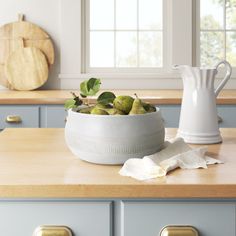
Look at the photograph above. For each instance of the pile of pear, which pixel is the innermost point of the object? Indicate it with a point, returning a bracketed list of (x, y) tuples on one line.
[(122, 105)]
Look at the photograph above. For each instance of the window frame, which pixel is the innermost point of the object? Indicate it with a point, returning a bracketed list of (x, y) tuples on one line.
[(197, 32), (171, 55), (122, 70), (181, 34)]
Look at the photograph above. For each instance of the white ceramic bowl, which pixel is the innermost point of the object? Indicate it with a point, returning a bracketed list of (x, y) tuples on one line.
[(112, 139)]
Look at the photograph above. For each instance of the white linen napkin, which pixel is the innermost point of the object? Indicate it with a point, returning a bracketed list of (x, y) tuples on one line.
[(173, 155)]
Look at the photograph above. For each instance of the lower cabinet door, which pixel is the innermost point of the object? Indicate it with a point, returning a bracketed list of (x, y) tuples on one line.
[(227, 114), (148, 218), (170, 115), (83, 218), (53, 116), (17, 116)]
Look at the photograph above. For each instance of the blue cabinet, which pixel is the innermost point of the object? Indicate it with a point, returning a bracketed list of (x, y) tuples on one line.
[(117, 217), (54, 116), (149, 217), (29, 116), (84, 218), (228, 115), (33, 116), (171, 114)]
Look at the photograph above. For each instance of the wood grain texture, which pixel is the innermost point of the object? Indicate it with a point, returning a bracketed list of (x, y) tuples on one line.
[(26, 69), (33, 36), (3, 80), (59, 96), (10, 46), (37, 163)]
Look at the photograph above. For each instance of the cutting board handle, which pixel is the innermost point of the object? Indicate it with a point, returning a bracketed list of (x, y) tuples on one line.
[(20, 17)]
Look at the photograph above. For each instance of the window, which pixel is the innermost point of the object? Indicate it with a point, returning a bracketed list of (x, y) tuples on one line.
[(217, 31), (124, 34), (131, 43)]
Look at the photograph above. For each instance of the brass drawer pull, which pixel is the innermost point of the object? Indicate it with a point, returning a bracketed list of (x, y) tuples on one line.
[(52, 231), (12, 119), (220, 120), (179, 231)]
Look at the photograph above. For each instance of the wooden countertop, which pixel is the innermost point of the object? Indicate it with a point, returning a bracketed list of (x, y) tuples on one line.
[(59, 96), (35, 163)]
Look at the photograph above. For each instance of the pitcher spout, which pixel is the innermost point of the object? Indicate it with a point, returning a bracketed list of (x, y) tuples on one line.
[(181, 68), (184, 70)]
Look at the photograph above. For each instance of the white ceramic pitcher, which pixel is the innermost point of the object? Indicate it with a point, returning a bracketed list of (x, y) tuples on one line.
[(198, 118)]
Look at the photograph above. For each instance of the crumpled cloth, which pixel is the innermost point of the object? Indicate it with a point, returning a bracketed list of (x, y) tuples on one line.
[(175, 154)]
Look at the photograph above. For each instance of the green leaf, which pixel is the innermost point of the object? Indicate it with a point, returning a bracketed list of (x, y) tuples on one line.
[(84, 89), (83, 96), (93, 86), (70, 103), (106, 98), (93, 82), (90, 87)]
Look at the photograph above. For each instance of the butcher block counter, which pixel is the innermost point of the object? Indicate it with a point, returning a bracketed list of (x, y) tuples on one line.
[(43, 183), (37, 163)]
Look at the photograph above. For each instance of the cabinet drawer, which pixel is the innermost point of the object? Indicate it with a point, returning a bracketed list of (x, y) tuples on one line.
[(83, 218), (29, 116), (210, 219), (228, 115), (170, 115), (55, 116)]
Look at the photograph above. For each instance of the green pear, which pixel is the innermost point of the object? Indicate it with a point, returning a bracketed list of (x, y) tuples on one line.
[(114, 111), (149, 108), (86, 110), (123, 103), (98, 111), (137, 107), (102, 106)]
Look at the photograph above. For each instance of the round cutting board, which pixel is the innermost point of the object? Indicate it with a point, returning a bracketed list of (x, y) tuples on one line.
[(32, 35), (26, 68), (19, 43), (3, 80)]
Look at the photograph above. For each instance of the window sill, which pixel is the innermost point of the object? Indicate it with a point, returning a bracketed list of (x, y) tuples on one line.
[(120, 76), (123, 81)]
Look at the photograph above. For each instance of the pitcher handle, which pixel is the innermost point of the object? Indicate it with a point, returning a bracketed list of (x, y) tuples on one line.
[(226, 78)]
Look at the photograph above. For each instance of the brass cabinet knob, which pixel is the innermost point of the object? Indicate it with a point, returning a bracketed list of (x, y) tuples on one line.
[(179, 231), (13, 119), (220, 120), (52, 231)]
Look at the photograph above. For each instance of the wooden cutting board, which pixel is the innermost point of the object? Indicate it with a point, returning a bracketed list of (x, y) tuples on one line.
[(3, 78), (32, 35), (26, 68)]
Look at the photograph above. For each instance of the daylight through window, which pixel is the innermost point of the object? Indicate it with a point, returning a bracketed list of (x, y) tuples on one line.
[(125, 34), (217, 31)]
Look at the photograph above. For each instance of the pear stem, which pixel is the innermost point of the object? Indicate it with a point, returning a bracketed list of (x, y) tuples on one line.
[(73, 94)]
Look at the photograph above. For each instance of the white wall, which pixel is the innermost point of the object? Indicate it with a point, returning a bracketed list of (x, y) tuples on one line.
[(53, 16), (46, 14)]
